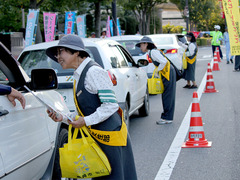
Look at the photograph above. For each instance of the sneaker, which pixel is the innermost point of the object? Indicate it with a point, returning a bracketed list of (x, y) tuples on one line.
[(163, 121), (227, 62), (236, 70), (193, 87), (231, 60), (187, 86)]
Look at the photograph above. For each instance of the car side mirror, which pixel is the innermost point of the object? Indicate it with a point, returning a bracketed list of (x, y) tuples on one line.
[(43, 79), (142, 62)]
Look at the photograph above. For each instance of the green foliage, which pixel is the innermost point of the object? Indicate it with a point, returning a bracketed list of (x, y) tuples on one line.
[(204, 13), (11, 14), (172, 29)]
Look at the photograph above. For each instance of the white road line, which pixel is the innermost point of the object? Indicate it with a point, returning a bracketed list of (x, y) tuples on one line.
[(170, 160)]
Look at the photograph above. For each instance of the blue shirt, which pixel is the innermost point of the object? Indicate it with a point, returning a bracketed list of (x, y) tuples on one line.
[(4, 89), (226, 37)]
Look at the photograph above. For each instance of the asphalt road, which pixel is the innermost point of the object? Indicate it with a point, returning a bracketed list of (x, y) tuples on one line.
[(157, 149)]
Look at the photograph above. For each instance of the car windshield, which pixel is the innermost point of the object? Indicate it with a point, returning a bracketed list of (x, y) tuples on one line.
[(162, 40), (130, 45), (37, 59)]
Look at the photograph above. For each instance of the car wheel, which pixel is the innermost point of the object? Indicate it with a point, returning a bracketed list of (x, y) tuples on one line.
[(144, 110), (62, 139), (126, 115)]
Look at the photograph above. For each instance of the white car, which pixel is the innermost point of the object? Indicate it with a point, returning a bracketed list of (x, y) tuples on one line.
[(130, 80), (129, 42), (29, 139), (168, 43)]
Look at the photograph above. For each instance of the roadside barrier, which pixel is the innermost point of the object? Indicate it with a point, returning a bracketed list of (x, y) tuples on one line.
[(196, 136), (210, 86), (215, 63)]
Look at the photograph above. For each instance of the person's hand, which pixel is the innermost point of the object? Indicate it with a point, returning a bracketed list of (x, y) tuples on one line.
[(16, 95), (78, 123), (55, 117)]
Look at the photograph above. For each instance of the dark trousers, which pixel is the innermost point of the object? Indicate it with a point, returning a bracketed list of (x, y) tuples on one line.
[(237, 63), (220, 51), (168, 96)]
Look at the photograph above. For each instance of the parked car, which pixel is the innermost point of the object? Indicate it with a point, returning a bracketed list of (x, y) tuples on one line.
[(168, 43), (29, 139), (129, 79), (129, 42)]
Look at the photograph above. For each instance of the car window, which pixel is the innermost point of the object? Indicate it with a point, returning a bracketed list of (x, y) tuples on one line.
[(182, 38), (38, 59), (130, 45), (3, 78), (117, 60), (162, 40), (121, 61), (94, 54)]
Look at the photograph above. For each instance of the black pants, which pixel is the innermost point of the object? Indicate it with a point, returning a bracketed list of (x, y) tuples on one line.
[(168, 96), (220, 51), (237, 62)]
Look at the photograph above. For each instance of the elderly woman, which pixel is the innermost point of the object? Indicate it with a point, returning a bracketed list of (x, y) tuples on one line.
[(95, 100), (168, 78), (191, 54)]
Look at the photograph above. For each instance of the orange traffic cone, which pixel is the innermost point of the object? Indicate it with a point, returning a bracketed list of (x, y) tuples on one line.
[(196, 137), (210, 87), (215, 63), (218, 55)]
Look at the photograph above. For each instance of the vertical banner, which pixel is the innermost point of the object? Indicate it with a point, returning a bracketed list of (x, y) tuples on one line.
[(69, 22), (111, 27), (32, 20), (108, 33), (81, 25), (119, 27), (231, 11), (49, 20)]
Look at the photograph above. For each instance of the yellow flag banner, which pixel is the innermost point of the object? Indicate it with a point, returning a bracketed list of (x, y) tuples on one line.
[(231, 11)]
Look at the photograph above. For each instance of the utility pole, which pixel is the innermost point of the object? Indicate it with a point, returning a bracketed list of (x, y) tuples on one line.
[(114, 15), (187, 15)]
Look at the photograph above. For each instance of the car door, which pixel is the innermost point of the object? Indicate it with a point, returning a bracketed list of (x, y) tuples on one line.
[(122, 66), (25, 145), (140, 75)]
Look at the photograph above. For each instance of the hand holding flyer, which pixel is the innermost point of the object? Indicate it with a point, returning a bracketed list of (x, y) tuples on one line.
[(50, 108)]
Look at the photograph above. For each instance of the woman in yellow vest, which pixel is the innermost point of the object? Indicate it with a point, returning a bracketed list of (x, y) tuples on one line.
[(168, 77), (96, 105), (190, 55)]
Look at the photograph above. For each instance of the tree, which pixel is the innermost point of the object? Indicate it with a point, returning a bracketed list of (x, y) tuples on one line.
[(203, 14), (142, 10)]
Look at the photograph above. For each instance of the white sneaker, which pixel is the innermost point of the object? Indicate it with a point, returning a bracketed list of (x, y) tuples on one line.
[(163, 121)]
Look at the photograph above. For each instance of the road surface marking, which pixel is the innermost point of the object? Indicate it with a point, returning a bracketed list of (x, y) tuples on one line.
[(170, 160)]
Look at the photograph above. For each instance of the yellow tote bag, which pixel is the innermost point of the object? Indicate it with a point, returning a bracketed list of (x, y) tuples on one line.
[(155, 85), (82, 158), (184, 61)]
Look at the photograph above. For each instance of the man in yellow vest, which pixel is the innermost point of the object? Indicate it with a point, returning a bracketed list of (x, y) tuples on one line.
[(217, 37)]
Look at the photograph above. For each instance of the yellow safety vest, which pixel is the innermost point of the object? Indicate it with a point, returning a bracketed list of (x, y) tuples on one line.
[(110, 138), (191, 61), (166, 70)]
